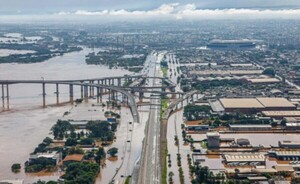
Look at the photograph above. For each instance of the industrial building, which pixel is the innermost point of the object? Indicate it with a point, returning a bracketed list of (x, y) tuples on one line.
[(231, 44), (255, 127), (213, 139), (280, 114), (241, 104), (197, 128), (285, 155), (292, 123), (289, 144), (245, 158), (263, 80), (276, 104), (243, 142), (253, 105)]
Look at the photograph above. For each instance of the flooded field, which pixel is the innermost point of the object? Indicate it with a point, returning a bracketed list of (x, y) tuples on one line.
[(27, 124)]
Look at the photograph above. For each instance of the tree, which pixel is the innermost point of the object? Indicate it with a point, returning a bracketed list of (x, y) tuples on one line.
[(16, 167), (87, 141), (100, 154), (75, 150), (269, 71), (60, 128), (71, 142), (113, 151), (84, 173)]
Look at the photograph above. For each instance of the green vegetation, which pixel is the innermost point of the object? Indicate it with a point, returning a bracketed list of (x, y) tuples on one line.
[(127, 181), (39, 164), (113, 151), (196, 112), (111, 113), (164, 71), (16, 168), (101, 130), (269, 71), (204, 175), (171, 174), (164, 105), (83, 173), (164, 153), (164, 68), (116, 59), (75, 150), (44, 182), (60, 128), (42, 147), (100, 154), (40, 54), (205, 85), (204, 144)]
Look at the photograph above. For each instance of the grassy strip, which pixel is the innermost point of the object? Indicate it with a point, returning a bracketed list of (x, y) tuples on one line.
[(164, 142), (164, 153), (127, 181), (164, 71)]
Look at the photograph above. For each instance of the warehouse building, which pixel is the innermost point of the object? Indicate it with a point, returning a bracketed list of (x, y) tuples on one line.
[(289, 144), (245, 158), (281, 114), (213, 139), (253, 105), (285, 155), (197, 128), (250, 127), (245, 105), (271, 104)]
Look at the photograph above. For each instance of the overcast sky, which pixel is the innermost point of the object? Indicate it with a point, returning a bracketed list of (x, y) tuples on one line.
[(119, 9)]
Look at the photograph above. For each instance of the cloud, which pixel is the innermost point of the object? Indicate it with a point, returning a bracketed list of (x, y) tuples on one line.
[(175, 10), (171, 11)]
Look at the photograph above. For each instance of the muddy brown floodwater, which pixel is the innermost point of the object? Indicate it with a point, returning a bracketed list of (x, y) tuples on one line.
[(27, 124)]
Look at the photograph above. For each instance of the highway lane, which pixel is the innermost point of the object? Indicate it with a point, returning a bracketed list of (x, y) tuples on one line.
[(150, 168)]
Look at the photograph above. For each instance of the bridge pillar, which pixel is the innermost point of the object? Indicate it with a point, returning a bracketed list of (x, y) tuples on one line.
[(3, 97), (57, 94), (113, 82), (81, 91), (93, 89), (98, 94), (119, 82), (7, 96), (105, 83), (86, 93), (101, 92), (71, 90), (141, 95), (123, 98), (90, 89), (109, 97), (44, 94)]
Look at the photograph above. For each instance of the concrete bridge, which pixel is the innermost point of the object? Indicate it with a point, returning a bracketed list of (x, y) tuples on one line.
[(101, 89), (107, 85)]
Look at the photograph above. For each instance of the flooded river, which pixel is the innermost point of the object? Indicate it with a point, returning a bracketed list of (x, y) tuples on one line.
[(27, 124)]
